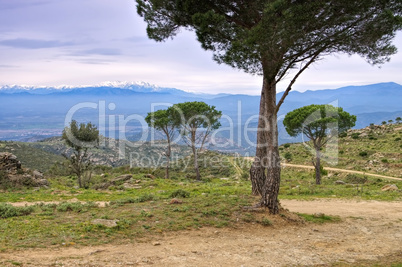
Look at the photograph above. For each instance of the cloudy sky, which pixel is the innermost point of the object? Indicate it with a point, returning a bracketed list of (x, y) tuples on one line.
[(83, 42)]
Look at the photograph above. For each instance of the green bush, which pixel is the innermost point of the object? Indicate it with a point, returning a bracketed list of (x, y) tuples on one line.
[(288, 156), (343, 134), (355, 135), (363, 153), (323, 171), (7, 211), (180, 193), (286, 145), (384, 160), (398, 139)]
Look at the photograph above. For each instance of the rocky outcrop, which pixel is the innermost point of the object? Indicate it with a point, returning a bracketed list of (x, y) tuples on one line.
[(9, 163), (12, 174)]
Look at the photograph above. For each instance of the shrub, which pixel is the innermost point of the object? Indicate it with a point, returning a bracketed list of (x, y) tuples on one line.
[(363, 153), (354, 179), (7, 211), (343, 134), (323, 171), (266, 222), (70, 206), (288, 156), (180, 193), (355, 135), (384, 160), (398, 139), (286, 145)]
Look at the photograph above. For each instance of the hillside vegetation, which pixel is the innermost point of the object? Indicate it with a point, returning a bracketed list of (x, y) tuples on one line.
[(374, 149)]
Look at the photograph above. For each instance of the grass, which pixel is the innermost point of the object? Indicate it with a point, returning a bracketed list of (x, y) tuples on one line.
[(213, 202), (319, 218)]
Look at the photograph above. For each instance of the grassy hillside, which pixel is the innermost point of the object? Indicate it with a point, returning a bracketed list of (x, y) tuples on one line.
[(375, 149)]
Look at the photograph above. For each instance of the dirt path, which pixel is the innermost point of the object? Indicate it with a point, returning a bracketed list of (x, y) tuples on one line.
[(370, 231), (343, 170)]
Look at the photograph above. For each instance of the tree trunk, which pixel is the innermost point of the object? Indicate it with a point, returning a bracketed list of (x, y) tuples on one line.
[(317, 166), (271, 186), (197, 171), (168, 152), (257, 170), (267, 153)]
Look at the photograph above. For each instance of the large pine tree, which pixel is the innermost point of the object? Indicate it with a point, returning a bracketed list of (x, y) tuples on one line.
[(271, 38)]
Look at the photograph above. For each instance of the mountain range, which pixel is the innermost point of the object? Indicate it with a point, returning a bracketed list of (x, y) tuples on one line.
[(30, 113)]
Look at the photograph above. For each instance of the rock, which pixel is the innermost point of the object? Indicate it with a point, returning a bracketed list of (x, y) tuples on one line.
[(104, 222), (37, 175), (389, 187), (176, 201), (149, 176), (340, 182), (18, 176), (156, 243), (9, 163)]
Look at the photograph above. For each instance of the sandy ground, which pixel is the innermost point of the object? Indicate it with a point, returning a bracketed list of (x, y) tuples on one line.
[(370, 231)]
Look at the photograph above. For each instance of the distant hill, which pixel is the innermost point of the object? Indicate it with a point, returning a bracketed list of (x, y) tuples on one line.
[(33, 113)]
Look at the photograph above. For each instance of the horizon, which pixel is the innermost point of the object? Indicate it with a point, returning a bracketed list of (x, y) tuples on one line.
[(116, 84), (107, 41)]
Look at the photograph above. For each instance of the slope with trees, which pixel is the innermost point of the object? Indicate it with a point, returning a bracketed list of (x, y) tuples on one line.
[(272, 38)]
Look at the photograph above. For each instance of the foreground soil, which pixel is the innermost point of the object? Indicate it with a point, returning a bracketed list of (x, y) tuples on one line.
[(370, 232)]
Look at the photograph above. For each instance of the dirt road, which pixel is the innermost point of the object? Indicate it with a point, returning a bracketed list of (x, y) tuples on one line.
[(370, 231), (342, 170)]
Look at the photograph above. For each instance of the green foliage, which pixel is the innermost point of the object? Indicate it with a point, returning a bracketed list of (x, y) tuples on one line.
[(288, 156), (180, 193), (319, 218), (355, 135), (314, 121), (384, 160), (81, 138), (343, 134), (355, 179), (7, 211), (398, 119), (243, 35), (383, 122), (286, 145), (266, 222), (363, 153)]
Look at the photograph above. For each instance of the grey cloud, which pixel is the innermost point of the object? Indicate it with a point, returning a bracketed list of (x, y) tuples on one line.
[(14, 4), (5, 66), (103, 51), (33, 43)]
